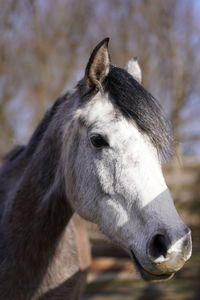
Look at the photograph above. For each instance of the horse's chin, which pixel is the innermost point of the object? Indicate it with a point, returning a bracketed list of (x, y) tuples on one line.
[(148, 276)]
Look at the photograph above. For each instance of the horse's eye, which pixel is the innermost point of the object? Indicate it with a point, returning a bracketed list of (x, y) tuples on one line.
[(98, 141)]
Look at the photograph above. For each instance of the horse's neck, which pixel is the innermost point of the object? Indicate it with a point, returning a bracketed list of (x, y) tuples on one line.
[(69, 264), (36, 219)]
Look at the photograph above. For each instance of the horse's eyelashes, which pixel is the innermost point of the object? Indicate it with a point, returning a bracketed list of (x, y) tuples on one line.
[(98, 141)]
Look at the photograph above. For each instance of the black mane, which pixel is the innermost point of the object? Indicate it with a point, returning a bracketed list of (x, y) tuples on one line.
[(29, 149), (138, 104), (42, 127)]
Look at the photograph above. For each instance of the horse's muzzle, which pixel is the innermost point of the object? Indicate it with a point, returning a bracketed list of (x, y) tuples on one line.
[(147, 275), (165, 257), (168, 256)]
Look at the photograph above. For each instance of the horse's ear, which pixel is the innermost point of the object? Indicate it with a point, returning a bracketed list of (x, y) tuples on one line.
[(133, 68), (98, 65)]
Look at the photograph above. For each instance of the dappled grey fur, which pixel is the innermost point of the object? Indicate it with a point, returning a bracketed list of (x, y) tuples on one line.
[(33, 202), (34, 209), (59, 172)]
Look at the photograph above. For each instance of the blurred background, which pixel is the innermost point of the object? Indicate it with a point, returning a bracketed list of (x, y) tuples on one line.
[(44, 47)]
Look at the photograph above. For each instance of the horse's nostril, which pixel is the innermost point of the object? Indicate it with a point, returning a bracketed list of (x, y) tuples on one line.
[(168, 256), (159, 245)]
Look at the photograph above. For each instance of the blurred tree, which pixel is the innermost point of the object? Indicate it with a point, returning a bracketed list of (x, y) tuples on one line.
[(39, 49)]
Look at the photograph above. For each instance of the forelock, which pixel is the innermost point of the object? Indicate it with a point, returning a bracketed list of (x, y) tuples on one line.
[(136, 103)]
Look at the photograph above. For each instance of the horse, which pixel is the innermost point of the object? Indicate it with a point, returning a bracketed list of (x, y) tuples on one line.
[(97, 152)]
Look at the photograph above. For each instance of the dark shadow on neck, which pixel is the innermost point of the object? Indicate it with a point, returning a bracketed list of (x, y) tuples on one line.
[(35, 213)]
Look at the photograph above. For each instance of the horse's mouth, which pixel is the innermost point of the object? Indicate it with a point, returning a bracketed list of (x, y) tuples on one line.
[(147, 276)]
